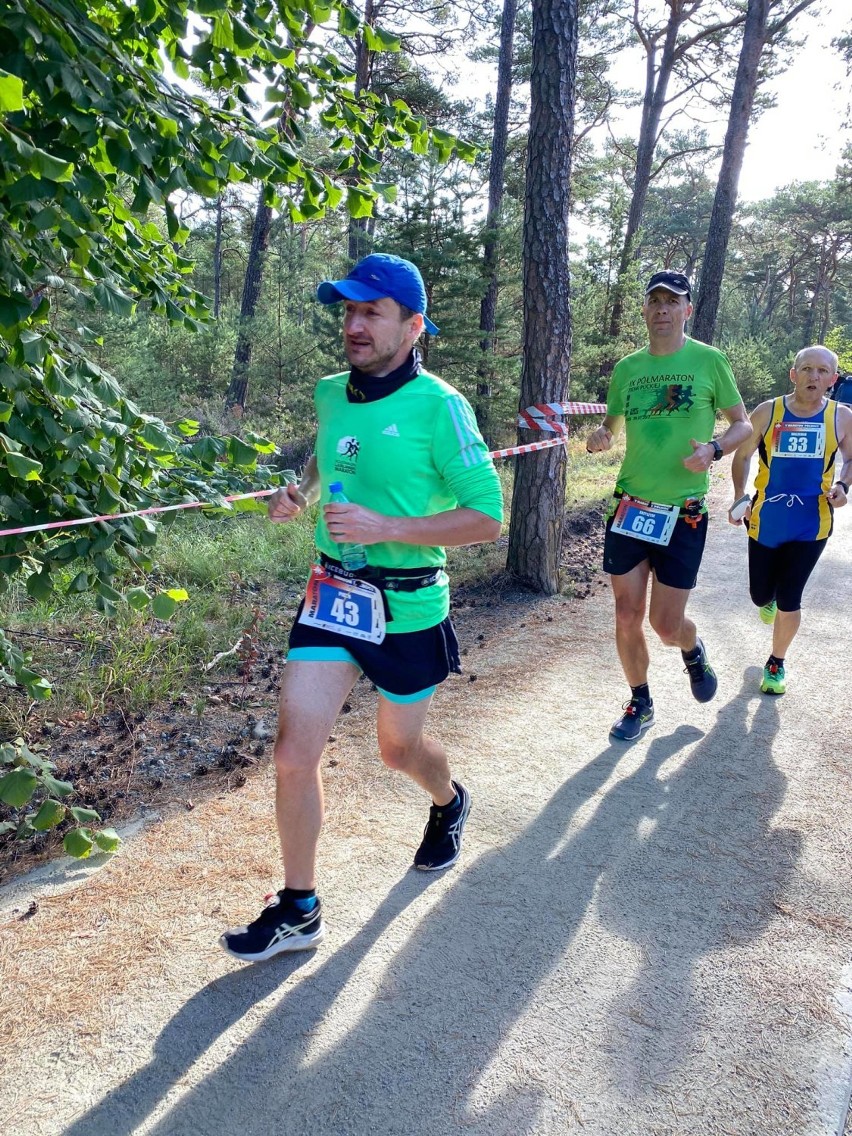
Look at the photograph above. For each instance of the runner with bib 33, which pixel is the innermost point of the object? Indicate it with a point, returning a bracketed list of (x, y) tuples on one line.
[(665, 396), (791, 516)]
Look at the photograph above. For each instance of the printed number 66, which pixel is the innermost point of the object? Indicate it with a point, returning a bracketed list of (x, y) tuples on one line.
[(644, 525)]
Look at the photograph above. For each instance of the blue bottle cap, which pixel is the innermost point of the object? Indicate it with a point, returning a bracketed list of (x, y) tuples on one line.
[(336, 487)]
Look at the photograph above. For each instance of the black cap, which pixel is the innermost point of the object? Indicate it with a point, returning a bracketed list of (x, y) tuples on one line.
[(672, 281)]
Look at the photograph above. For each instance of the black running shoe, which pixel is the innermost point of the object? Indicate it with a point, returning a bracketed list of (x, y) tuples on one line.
[(638, 715), (441, 844), (701, 674), (281, 926)]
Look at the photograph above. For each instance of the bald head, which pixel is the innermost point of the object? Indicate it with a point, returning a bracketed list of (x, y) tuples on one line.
[(816, 354)]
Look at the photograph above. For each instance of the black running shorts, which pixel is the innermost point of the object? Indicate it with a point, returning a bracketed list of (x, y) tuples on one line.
[(675, 564), (781, 573), (406, 667)]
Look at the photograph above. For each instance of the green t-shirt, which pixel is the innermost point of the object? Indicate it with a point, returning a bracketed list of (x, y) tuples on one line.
[(666, 400), (413, 453)]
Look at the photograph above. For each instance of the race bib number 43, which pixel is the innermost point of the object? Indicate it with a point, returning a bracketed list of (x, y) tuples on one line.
[(349, 607), (798, 440), (645, 520)]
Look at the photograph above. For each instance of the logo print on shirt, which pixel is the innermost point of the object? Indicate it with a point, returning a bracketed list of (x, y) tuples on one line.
[(392, 430), (672, 398), (348, 449)]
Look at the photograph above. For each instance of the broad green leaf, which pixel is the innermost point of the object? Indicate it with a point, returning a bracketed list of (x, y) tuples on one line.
[(84, 816), (17, 787), (50, 168), (78, 843), (25, 469), (48, 816), (163, 606), (111, 298), (377, 39), (241, 454), (358, 203), (108, 840), (55, 787), (137, 598), (11, 92)]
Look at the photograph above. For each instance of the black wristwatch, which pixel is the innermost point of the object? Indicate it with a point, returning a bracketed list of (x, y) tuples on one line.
[(718, 452), (844, 485)]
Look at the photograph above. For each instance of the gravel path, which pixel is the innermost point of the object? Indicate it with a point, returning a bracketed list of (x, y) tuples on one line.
[(640, 940)]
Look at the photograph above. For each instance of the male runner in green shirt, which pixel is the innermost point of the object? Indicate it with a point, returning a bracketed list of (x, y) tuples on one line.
[(666, 397), (417, 478)]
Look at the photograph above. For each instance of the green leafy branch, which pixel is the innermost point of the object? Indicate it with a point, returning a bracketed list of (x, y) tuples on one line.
[(36, 800)]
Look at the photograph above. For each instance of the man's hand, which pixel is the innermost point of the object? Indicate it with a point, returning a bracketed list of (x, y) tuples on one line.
[(353, 524), (286, 503), (599, 440), (836, 496), (701, 458)]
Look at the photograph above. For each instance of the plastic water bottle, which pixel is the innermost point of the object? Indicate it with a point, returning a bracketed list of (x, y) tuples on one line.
[(352, 556)]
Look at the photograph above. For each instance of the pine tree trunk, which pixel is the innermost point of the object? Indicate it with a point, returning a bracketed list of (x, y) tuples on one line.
[(217, 261), (539, 495), (725, 199), (656, 84), (235, 396), (488, 307)]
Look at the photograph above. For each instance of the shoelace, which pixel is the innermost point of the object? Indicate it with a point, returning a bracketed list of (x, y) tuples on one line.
[(696, 668)]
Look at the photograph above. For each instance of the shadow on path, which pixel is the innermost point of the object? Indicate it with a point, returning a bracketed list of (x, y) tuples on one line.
[(699, 873), (411, 1059)]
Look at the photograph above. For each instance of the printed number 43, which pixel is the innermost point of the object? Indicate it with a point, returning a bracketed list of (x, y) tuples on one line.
[(345, 611), (644, 525)]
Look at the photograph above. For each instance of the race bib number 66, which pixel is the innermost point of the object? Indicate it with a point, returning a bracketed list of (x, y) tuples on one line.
[(645, 520), (350, 607)]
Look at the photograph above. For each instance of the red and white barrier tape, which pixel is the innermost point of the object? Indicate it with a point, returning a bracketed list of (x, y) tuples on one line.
[(528, 449), (133, 513), (538, 417), (542, 415)]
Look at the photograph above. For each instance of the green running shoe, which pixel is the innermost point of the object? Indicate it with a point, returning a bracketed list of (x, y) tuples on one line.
[(768, 612), (774, 679)]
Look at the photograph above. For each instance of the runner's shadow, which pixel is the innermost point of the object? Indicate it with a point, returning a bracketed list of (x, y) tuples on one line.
[(402, 1051), (700, 870), (214, 1009)]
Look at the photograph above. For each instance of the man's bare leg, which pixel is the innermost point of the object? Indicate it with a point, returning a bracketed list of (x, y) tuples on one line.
[(631, 596), (312, 694), (668, 617), (404, 746)]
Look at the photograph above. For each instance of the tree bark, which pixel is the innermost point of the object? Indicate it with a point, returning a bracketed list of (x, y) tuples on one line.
[(235, 396), (656, 84), (725, 200), (360, 232), (538, 499), (217, 260), (496, 173)]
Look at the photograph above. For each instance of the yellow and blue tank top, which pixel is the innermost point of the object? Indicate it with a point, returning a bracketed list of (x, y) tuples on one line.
[(796, 458)]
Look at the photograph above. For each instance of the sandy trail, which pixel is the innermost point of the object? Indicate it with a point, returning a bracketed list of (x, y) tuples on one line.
[(649, 939)]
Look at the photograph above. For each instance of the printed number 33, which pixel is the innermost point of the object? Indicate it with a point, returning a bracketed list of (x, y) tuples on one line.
[(345, 611)]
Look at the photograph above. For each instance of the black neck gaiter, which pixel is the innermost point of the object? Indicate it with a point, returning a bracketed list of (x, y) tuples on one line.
[(370, 388)]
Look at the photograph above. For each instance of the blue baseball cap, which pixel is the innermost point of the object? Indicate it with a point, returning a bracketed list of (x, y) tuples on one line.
[(378, 276)]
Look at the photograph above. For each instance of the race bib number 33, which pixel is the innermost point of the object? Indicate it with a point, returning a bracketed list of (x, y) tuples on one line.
[(798, 440), (350, 607), (645, 520)]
